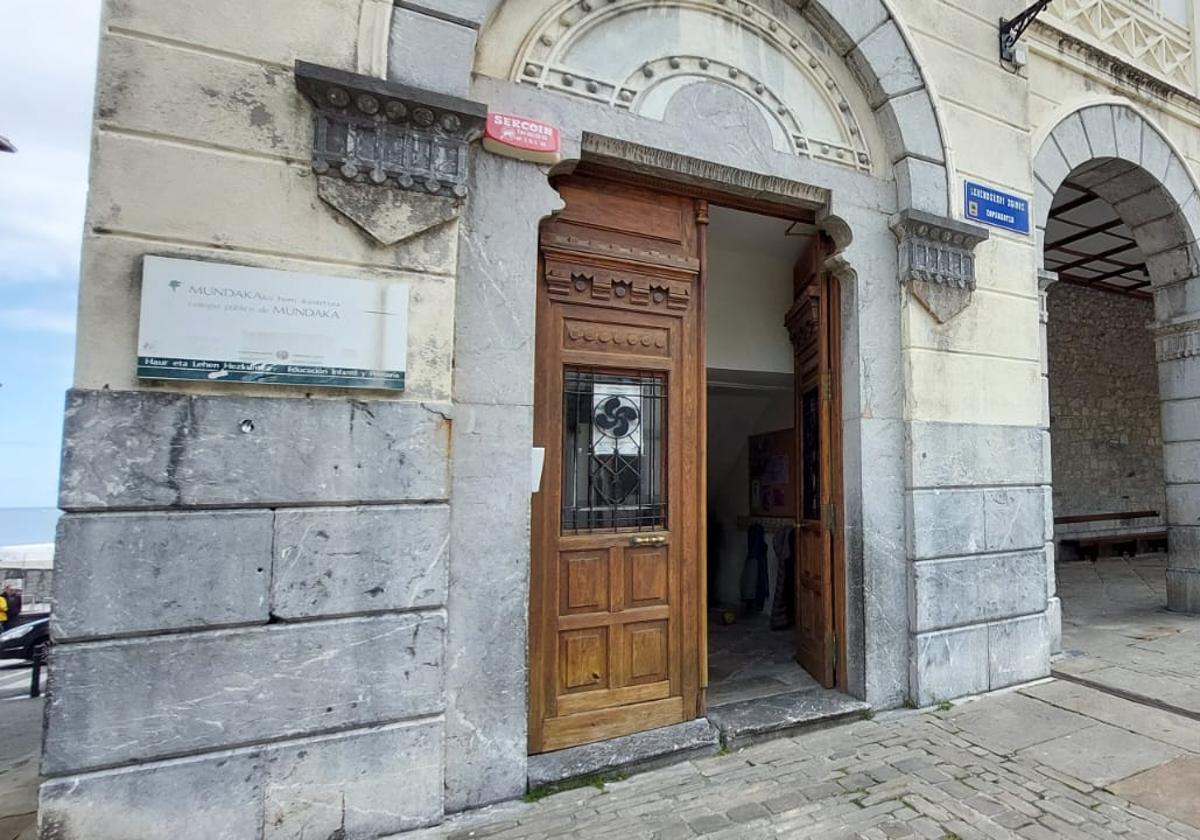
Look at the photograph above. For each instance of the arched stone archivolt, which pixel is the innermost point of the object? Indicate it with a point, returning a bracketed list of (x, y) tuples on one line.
[(667, 45), (831, 80), (1118, 154)]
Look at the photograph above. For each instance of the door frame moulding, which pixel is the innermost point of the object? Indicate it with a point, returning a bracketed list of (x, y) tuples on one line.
[(681, 175)]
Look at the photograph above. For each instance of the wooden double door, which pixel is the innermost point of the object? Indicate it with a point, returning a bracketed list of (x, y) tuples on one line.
[(617, 592)]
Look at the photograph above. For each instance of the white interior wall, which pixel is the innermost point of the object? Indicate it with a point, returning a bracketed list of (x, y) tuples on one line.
[(748, 294), (749, 291)]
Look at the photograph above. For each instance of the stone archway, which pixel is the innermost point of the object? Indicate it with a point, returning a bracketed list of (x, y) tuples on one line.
[(900, 191), (1126, 160)]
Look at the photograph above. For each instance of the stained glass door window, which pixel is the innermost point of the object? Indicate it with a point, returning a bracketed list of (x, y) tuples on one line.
[(613, 450)]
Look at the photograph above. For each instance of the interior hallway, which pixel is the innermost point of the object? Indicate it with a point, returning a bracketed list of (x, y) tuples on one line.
[(747, 660)]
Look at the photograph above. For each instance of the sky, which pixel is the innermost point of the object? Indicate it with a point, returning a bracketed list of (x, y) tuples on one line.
[(47, 77)]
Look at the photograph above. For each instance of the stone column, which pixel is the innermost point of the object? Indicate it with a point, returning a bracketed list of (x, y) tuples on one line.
[(976, 506), (1046, 279), (1178, 350), (487, 672)]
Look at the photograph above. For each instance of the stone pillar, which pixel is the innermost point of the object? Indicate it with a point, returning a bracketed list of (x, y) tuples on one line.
[(1178, 349), (976, 507), (487, 668), (1053, 604)]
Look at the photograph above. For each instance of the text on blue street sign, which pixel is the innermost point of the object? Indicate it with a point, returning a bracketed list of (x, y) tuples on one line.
[(997, 208)]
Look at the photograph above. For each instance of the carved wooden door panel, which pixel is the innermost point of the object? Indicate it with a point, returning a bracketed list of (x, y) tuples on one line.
[(614, 593), (815, 329)]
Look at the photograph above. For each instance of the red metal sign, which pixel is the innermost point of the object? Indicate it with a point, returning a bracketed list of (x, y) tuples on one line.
[(521, 137)]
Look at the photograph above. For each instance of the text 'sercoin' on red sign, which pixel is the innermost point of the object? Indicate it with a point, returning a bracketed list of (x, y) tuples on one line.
[(522, 138)]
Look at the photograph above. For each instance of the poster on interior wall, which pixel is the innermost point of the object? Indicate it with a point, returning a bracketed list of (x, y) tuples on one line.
[(617, 419), (773, 473), (216, 322)]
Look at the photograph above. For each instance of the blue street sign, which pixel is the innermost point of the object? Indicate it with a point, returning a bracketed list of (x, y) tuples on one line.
[(997, 208)]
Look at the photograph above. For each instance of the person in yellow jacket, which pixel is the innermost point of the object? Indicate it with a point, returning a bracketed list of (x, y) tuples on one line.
[(3, 610)]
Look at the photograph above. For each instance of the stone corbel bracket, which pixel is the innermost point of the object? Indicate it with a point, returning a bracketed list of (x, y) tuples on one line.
[(392, 159), (1046, 279), (937, 260)]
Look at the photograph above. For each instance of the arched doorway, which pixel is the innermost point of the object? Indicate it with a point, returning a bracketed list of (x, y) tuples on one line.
[(881, 108), (1118, 214)]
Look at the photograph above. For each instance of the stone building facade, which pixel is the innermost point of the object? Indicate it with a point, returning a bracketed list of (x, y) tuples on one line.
[(332, 587)]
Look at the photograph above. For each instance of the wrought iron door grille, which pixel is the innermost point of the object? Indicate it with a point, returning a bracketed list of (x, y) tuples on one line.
[(614, 451)]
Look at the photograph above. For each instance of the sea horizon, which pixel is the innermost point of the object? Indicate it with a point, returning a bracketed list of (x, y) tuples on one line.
[(27, 525)]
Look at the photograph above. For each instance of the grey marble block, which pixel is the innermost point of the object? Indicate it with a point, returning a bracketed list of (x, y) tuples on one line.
[(130, 573), (1018, 650), (389, 779), (949, 664), (130, 449), (140, 699), (430, 53), (970, 590), (948, 523), (339, 561), (487, 676), (963, 454)]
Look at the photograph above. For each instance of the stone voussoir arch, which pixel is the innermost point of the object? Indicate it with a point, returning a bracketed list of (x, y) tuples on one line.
[(1118, 153), (1112, 149), (864, 34)]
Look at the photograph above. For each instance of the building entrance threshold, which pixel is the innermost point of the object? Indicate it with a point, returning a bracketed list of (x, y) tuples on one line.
[(734, 725)]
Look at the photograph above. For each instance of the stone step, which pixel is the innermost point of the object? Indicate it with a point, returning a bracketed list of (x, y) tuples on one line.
[(735, 724), (641, 750), (746, 721), (1099, 682)]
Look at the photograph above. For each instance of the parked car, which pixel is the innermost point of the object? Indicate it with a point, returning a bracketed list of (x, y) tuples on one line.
[(26, 641)]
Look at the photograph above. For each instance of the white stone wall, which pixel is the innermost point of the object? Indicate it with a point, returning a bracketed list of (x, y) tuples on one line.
[(1105, 422), (202, 149)]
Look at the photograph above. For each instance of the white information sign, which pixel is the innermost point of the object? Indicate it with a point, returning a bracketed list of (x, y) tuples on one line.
[(231, 323)]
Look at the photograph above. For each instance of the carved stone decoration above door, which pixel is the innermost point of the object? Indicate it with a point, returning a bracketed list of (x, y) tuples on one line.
[(937, 261), (664, 60), (391, 159)]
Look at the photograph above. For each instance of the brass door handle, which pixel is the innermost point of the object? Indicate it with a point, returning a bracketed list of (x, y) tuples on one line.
[(655, 540)]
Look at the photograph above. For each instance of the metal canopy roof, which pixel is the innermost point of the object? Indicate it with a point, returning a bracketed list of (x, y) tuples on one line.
[(1087, 244)]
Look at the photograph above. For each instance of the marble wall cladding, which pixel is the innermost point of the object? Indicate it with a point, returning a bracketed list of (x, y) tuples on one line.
[(390, 780), (200, 570), (960, 454), (1104, 408), (1018, 650), (126, 449), (953, 523), (981, 657), (969, 590), (343, 561), (155, 572), (487, 677), (139, 699), (949, 663)]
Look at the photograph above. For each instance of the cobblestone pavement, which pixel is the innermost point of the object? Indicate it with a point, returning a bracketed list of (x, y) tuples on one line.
[(1039, 763)]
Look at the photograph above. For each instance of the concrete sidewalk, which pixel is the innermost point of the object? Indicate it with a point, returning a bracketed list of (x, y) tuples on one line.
[(1118, 635), (1052, 760)]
